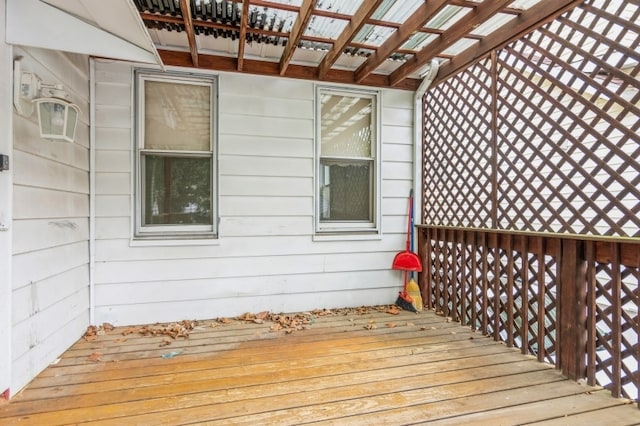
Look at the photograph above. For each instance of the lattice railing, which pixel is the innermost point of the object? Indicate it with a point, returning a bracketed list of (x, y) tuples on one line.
[(571, 302), (453, 151), (531, 194), (544, 135)]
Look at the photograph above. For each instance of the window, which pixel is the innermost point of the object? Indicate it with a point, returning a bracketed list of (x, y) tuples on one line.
[(176, 167), (347, 161)]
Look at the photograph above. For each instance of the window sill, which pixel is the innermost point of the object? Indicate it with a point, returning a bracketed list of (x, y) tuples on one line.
[(347, 237), (172, 242)]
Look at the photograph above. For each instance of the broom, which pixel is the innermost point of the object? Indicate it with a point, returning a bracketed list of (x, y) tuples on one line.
[(413, 289), (406, 261)]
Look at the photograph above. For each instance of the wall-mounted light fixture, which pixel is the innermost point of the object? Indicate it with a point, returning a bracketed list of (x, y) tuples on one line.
[(57, 116)]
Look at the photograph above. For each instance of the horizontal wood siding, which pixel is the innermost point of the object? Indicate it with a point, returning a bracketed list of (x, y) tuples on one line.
[(50, 282), (266, 257)]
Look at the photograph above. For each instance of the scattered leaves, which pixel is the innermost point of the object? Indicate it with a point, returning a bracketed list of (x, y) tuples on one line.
[(91, 334), (370, 326)]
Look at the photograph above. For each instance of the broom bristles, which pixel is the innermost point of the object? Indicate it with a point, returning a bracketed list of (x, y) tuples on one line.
[(405, 304)]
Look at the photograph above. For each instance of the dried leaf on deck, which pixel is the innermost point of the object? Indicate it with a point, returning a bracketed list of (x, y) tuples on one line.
[(392, 325), (262, 315), (95, 356), (276, 327), (165, 342), (247, 316), (370, 326), (107, 327), (393, 310), (129, 330)]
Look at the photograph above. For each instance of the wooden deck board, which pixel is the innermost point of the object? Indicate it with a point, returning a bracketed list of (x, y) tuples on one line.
[(400, 369)]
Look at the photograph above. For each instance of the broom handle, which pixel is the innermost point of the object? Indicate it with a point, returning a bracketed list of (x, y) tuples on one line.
[(409, 219)]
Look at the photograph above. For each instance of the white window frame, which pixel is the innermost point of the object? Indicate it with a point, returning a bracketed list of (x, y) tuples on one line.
[(372, 227), (169, 232)]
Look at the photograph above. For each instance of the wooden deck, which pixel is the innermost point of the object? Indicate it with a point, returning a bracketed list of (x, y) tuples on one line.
[(352, 368)]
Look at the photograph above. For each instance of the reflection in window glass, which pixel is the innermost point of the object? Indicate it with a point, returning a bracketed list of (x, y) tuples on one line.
[(177, 190)]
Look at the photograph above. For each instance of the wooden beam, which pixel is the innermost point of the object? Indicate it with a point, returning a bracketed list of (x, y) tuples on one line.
[(251, 66), (421, 16), (185, 10), (358, 20), (304, 15), (243, 33), (531, 19), (471, 20)]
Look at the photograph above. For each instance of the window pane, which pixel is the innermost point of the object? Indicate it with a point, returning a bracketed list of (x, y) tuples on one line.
[(177, 190), (177, 116), (345, 191), (345, 126)]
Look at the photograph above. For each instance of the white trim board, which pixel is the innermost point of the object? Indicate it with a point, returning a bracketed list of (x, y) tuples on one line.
[(38, 24)]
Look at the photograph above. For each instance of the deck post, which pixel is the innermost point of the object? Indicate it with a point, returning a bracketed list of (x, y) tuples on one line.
[(572, 324)]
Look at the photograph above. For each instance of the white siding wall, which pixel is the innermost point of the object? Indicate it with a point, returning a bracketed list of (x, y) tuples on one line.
[(6, 185), (50, 285), (266, 258)]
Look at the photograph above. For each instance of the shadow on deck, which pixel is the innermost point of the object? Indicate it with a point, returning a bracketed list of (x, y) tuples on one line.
[(362, 366)]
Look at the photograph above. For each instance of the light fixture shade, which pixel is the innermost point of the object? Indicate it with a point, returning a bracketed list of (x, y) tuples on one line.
[(58, 118)]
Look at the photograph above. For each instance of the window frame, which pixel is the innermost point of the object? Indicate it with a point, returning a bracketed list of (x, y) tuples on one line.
[(350, 227), (168, 232)]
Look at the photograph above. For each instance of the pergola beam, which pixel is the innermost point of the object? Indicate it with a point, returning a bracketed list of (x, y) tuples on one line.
[(304, 16), (185, 10), (529, 20), (482, 12), (243, 33), (421, 16), (361, 16)]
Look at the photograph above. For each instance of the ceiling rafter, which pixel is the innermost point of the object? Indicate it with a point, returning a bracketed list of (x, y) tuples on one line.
[(419, 18), (299, 41), (539, 14), (458, 31), (363, 13), (306, 10), (185, 11), (243, 33)]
